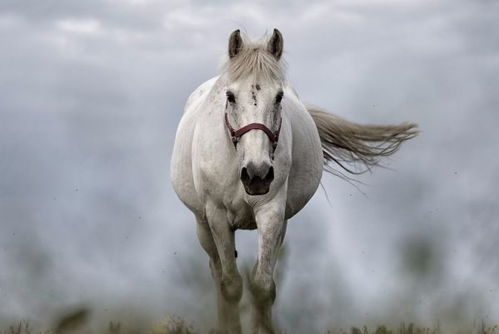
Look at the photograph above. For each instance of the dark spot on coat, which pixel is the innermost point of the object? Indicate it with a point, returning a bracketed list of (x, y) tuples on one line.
[(253, 96), (257, 87)]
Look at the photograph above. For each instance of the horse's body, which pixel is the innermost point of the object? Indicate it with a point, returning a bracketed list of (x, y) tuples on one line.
[(201, 176), (255, 180)]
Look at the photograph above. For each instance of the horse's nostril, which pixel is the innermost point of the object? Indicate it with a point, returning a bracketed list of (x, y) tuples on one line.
[(244, 175), (270, 175), (257, 179)]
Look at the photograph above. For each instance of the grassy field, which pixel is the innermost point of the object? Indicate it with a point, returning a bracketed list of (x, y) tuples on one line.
[(84, 320), (78, 322)]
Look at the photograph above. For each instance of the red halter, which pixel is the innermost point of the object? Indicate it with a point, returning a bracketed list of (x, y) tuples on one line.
[(237, 134)]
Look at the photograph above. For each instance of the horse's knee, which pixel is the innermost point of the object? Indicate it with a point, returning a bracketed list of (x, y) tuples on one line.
[(216, 270), (232, 288), (263, 289)]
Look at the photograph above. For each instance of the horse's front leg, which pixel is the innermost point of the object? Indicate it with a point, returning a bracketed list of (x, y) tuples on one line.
[(208, 244), (230, 284), (271, 230)]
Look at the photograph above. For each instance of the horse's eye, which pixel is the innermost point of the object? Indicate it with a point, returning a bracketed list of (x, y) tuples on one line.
[(278, 97), (230, 97)]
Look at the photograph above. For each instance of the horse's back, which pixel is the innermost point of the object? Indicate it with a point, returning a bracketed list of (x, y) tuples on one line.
[(181, 162)]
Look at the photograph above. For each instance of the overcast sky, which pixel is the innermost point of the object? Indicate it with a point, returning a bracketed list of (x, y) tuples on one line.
[(91, 93)]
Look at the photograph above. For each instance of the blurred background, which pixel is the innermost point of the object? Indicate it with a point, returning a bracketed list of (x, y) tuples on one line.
[(91, 93)]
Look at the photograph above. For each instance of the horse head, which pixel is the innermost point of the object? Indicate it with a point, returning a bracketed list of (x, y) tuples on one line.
[(254, 93)]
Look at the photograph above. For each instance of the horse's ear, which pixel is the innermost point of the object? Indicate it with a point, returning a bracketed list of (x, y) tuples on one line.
[(235, 43), (276, 44)]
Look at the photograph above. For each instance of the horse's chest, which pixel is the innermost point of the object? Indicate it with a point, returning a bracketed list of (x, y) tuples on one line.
[(240, 216)]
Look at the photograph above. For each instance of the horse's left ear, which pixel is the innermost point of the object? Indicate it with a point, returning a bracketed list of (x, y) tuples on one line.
[(276, 44)]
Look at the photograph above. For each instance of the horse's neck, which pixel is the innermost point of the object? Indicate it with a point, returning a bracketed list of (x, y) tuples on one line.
[(212, 109), (218, 85), (215, 99)]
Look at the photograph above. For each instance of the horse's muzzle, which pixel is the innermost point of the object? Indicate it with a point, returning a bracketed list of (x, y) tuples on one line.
[(257, 178)]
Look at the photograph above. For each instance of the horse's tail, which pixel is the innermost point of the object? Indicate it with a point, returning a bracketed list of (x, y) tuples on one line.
[(349, 144)]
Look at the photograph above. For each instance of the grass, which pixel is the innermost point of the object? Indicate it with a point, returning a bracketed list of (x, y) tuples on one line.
[(77, 323)]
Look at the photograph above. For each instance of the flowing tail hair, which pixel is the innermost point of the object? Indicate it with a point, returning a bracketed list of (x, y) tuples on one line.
[(349, 144)]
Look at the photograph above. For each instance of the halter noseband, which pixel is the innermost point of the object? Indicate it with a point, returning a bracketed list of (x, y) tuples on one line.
[(237, 134)]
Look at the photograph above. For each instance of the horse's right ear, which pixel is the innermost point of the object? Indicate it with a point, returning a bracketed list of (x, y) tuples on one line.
[(235, 43)]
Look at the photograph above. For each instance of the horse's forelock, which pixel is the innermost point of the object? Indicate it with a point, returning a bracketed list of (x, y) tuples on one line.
[(254, 59)]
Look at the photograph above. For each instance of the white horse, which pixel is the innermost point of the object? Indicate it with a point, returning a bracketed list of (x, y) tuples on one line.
[(249, 154)]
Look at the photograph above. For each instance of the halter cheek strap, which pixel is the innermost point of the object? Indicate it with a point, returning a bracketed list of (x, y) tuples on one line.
[(237, 134)]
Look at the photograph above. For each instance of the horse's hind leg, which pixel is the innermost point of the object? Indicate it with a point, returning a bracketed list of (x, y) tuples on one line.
[(271, 231)]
